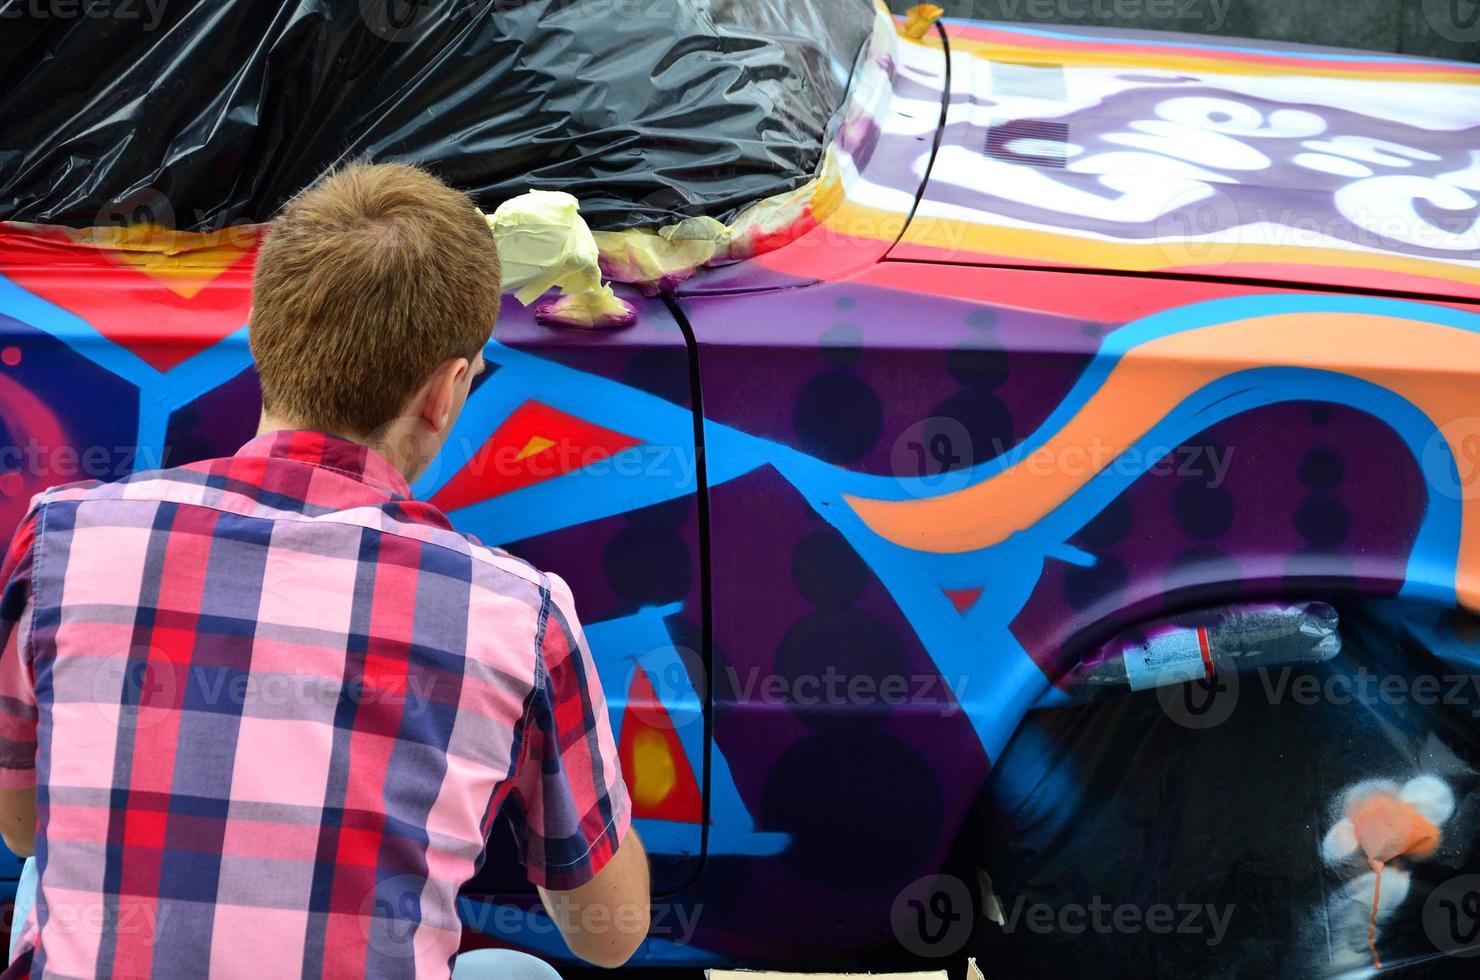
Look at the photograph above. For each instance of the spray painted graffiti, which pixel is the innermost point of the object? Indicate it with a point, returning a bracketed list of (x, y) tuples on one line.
[(845, 468)]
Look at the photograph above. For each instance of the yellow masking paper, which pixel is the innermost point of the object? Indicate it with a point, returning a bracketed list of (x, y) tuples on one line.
[(544, 244)]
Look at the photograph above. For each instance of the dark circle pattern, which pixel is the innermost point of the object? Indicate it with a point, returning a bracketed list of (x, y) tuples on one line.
[(827, 571), (837, 417), (1201, 566), (1312, 568), (662, 371), (843, 771), (987, 421), (1323, 521), (669, 515), (859, 649), (1202, 511), (1109, 526), (1087, 585), (981, 319), (647, 565), (842, 345), (981, 361), (1321, 469)]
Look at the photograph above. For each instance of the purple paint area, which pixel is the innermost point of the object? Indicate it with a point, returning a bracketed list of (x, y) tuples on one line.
[(851, 373), (217, 423), (604, 562), (872, 794), (650, 354), (615, 567), (1315, 498)]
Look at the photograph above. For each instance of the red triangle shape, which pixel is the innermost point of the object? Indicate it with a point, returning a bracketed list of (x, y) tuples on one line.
[(141, 311), (963, 599), (534, 444), (653, 760)]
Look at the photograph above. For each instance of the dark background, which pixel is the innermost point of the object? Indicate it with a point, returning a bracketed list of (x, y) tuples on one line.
[(1435, 28)]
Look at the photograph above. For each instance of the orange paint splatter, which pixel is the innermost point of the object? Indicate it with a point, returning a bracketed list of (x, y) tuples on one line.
[(1377, 866), (1388, 827)]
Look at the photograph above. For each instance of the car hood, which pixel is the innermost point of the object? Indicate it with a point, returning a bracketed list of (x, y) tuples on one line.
[(1164, 154)]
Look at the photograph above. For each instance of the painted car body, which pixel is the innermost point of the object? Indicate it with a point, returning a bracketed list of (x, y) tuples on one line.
[(1040, 363)]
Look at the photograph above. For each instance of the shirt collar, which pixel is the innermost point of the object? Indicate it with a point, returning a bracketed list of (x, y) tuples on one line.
[(331, 452)]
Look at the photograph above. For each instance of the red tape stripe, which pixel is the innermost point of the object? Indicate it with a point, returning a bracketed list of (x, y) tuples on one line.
[(1207, 651)]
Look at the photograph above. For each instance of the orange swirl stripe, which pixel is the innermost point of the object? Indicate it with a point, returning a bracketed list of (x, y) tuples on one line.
[(1426, 363)]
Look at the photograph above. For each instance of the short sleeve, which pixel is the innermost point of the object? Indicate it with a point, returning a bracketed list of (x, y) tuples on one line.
[(575, 810), (17, 684)]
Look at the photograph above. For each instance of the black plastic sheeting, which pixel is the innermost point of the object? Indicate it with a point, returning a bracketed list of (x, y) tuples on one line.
[(197, 114), (1140, 837)]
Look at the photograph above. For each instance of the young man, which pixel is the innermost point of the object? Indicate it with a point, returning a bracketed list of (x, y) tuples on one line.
[(266, 707)]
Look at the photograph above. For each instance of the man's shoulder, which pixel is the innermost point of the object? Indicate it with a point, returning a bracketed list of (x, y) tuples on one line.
[(193, 484), (132, 486), (193, 473)]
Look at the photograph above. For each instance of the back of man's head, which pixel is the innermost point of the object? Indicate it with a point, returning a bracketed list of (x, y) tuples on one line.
[(368, 281)]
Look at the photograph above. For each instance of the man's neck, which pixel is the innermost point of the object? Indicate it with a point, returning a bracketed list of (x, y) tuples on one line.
[(406, 465)]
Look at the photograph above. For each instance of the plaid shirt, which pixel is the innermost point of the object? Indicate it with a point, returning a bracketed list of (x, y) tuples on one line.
[(271, 706)]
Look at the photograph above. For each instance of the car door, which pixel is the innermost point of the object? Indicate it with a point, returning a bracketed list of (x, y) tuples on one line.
[(576, 452)]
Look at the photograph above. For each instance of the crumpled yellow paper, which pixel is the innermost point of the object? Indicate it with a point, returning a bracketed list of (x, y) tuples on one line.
[(919, 18), (543, 244), (657, 259)]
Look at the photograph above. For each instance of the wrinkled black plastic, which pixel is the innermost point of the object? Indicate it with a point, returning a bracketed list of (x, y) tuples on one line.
[(1217, 815), (200, 113)]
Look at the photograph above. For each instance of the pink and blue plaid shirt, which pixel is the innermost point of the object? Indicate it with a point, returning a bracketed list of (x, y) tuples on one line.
[(271, 705)]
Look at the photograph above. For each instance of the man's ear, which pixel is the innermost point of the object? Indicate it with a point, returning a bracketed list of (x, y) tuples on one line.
[(441, 393)]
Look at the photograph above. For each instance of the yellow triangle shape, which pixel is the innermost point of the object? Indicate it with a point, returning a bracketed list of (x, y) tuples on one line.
[(182, 261), (536, 444)]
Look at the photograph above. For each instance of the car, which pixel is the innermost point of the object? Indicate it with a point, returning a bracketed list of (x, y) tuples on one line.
[(1071, 330)]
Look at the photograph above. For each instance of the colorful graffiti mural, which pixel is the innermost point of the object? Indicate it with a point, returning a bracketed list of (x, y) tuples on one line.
[(839, 515)]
